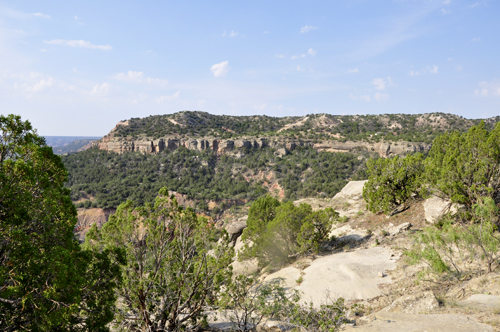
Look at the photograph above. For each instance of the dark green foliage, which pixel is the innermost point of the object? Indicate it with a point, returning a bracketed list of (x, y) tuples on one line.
[(199, 124), (465, 166), (112, 178), (392, 181), (170, 275), (281, 232), (389, 127), (262, 211), (47, 283)]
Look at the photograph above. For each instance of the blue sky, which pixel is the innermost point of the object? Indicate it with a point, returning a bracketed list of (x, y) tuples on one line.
[(77, 68)]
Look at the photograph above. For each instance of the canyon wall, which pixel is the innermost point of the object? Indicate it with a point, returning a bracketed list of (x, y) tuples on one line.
[(223, 146)]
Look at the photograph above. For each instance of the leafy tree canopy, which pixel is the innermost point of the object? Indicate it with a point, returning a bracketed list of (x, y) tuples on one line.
[(47, 283), (465, 166), (392, 181)]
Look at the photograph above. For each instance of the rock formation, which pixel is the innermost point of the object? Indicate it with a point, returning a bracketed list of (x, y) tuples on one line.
[(223, 146)]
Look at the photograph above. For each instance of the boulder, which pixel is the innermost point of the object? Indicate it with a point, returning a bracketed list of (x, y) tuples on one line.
[(395, 230), (482, 302), (236, 227), (398, 322), (353, 190), (247, 267), (414, 303), (274, 326), (435, 207), (348, 234)]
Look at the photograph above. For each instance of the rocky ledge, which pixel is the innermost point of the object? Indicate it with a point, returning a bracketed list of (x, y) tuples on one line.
[(223, 146)]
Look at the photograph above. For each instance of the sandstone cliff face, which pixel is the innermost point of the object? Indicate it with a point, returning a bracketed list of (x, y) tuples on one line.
[(223, 146), (88, 217)]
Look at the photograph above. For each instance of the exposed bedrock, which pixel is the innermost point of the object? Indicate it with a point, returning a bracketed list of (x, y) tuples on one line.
[(223, 146)]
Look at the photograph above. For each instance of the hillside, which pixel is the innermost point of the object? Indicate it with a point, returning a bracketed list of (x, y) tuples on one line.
[(217, 161), (69, 144)]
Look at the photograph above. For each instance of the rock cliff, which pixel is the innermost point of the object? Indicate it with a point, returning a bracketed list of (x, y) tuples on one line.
[(223, 146)]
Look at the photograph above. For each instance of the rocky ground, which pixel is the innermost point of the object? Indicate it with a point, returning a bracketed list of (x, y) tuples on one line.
[(367, 266)]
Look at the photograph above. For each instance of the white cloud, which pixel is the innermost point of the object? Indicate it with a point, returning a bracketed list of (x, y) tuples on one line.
[(476, 39), (365, 98), (37, 87), (431, 70), (100, 90), (458, 68), (220, 69), (41, 15), (310, 52), (280, 56), (446, 2), (299, 68), (307, 28), (488, 89), (168, 98), (293, 57), (78, 43), (381, 96), (138, 78), (380, 83), (445, 11), (352, 71), (230, 35)]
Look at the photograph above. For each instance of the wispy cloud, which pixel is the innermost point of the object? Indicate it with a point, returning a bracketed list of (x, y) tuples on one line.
[(307, 28), (41, 15), (365, 98), (381, 96), (353, 71), (162, 99), (280, 56), (445, 11), (475, 39), (428, 70), (220, 69), (139, 78), (381, 83), (299, 68), (230, 34), (100, 90), (310, 52), (78, 43), (488, 89)]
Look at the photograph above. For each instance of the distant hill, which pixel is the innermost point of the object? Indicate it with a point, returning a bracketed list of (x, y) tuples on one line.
[(374, 128), (217, 162), (68, 144)]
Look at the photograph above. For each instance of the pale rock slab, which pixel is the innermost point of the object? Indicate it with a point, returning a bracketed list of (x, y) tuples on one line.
[(435, 207), (400, 322)]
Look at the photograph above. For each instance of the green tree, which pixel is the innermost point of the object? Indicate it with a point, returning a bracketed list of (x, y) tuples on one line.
[(316, 228), (174, 269), (465, 166), (392, 181), (454, 247), (262, 211), (280, 241), (47, 283)]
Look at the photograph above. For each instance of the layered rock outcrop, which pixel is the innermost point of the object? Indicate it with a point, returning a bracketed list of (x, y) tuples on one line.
[(224, 146)]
